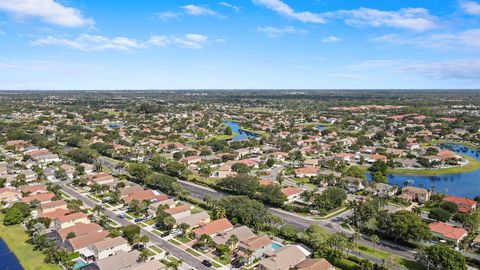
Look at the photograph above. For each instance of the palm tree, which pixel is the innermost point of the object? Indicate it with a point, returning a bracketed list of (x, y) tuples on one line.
[(144, 240), (219, 212), (280, 177), (375, 240), (98, 208), (232, 241), (136, 240), (354, 239), (103, 221), (174, 265), (143, 256)]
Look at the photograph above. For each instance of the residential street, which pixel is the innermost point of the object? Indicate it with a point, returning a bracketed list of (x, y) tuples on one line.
[(331, 225), (165, 245)]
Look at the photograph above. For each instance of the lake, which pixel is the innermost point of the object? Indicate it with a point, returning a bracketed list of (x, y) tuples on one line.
[(458, 184), (241, 134), (8, 261)]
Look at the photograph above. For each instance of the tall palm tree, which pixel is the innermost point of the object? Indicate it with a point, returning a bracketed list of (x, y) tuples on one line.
[(144, 240), (143, 256), (219, 212), (97, 209), (375, 240), (174, 265), (232, 241)]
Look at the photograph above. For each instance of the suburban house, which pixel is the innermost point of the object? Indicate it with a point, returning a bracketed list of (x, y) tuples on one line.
[(420, 195), (314, 264), (43, 197), (179, 211), (70, 220), (306, 172), (48, 207), (82, 241), (254, 248), (194, 220), (242, 233), (34, 190), (215, 227), (105, 248), (292, 193), (382, 190), (464, 205), (447, 232), (284, 258), (122, 260), (9, 195), (77, 230)]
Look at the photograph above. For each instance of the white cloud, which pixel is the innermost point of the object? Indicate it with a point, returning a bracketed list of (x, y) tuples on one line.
[(469, 39), (331, 39), (167, 15), (225, 4), (470, 7), (417, 19), (285, 10), (459, 69), (89, 43), (198, 10), (276, 32), (47, 10), (189, 41)]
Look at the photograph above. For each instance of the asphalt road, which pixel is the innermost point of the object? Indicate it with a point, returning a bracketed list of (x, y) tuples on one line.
[(163, 244), (330, 226)]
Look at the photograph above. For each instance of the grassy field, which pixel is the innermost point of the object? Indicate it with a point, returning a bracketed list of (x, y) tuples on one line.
[(472, 165), (15, 238)]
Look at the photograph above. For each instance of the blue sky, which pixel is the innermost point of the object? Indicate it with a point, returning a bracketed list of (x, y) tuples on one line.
[(268, 44)]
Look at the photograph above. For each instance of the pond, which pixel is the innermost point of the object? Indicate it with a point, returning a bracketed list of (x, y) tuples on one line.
[(459, 184), (8, 261), (241, 134)]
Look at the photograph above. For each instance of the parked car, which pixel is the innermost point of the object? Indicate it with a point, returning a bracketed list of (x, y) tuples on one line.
[(121, 215), (138, 220), (207, 263)]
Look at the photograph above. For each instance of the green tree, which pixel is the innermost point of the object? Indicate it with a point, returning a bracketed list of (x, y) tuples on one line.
[(442, 257)]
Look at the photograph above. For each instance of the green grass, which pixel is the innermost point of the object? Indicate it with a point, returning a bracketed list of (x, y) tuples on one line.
[(175, 242), (472, 165), (216, 265), (93, 198), (376, 254), (156, 249), (157, 233), (15, 238), (346, 264), (410, 265), (222, 260), (172, 259), (182, 239), (193, 252)]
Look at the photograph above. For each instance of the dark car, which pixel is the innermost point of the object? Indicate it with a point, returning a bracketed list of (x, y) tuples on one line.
[(138, 220), (207, 263), (122, 216)]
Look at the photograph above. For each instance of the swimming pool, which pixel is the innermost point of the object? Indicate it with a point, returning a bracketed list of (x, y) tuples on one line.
[(79, 264), (276, 245)]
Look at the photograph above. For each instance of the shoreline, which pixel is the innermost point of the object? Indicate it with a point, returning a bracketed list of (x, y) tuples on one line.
[(15, 239), (471, 166)]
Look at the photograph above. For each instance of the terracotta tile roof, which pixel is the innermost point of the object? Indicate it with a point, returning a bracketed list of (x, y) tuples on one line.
[(80, 229), (460, 201), (85, 240), (43, 197), (314, 264), (52, 204), (178, 209), (2, 190), (257, 242), (72, 217), (110, 243), (55, 214), (448, 231), (289, 191), (33, 189), (214, 227)]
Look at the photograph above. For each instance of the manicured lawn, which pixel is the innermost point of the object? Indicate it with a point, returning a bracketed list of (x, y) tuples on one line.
[(172, 259), (15, 238), (216, 265), (182, 239), (155, 248), (377, 253), (157, 233), (93, 198), (223, 261), (470, 166), (175, 242), (193, 252)]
